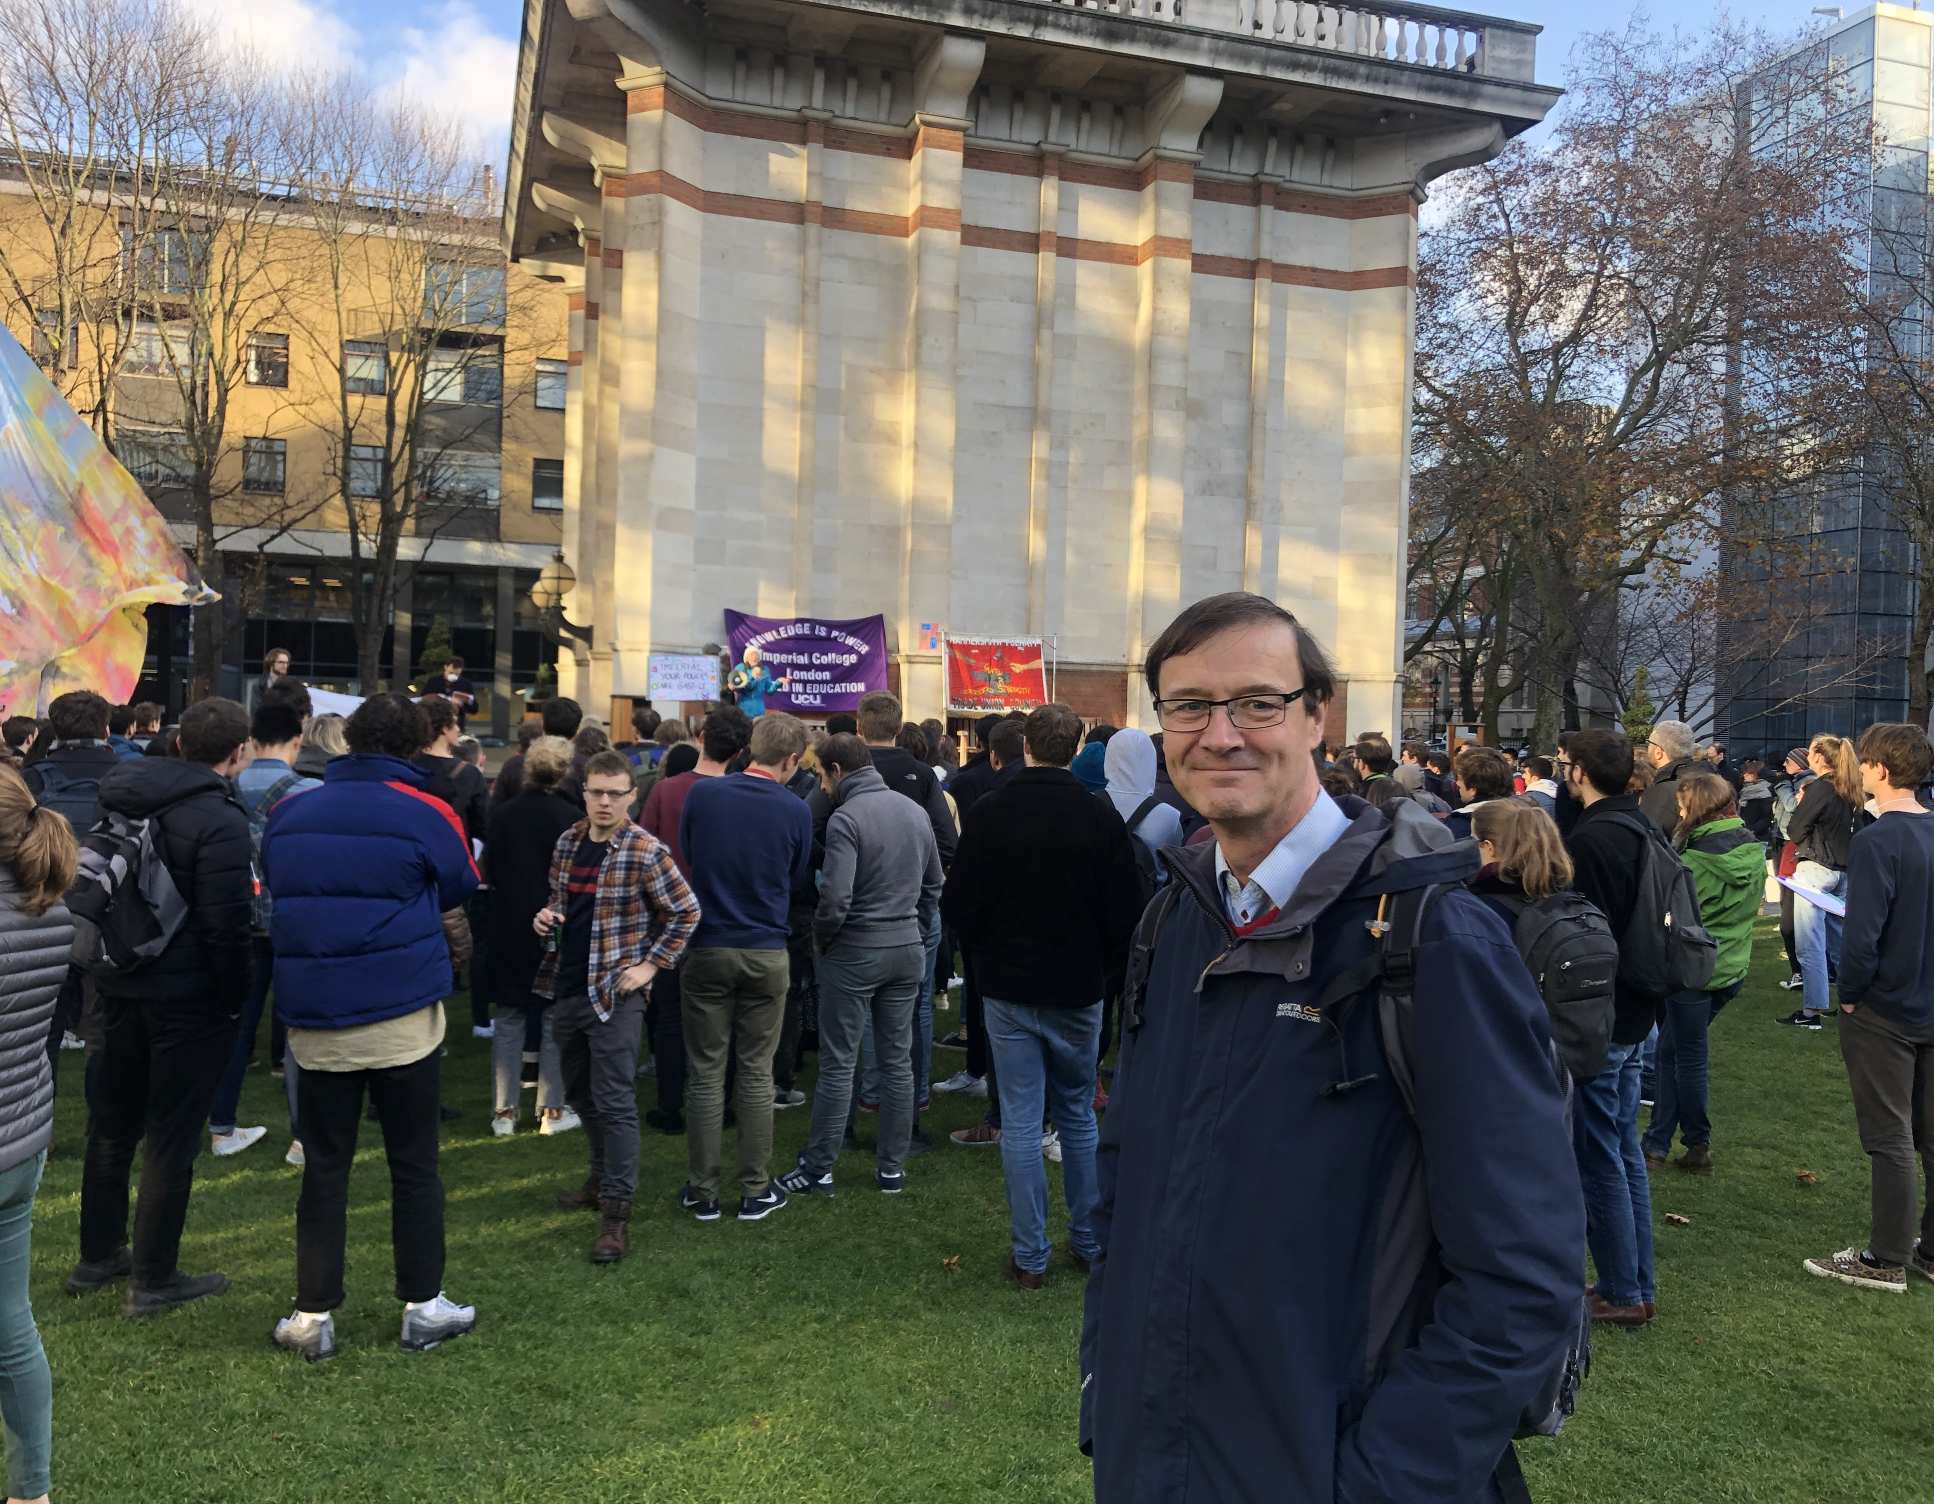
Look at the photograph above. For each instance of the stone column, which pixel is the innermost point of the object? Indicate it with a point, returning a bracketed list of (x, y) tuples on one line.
[(577, 495), (1047, 503), (602, 542), (805, 482), (1262, 520), (582, 604)]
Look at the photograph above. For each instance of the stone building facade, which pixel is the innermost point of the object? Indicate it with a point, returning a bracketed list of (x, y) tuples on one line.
[(1011, 316)]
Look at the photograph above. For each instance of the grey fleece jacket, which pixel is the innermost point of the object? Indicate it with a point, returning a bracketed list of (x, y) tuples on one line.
[(880, 884)]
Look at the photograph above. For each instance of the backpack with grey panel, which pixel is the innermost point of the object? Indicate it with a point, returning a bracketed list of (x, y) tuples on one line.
[(126, 907)]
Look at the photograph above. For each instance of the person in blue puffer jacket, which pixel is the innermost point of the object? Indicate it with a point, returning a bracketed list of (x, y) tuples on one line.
[(362, 870)]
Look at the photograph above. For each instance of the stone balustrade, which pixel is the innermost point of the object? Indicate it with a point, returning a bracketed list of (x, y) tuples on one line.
[(1420, 35)]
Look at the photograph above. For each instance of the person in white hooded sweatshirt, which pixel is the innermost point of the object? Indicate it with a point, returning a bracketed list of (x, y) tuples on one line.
[(1130, 766)]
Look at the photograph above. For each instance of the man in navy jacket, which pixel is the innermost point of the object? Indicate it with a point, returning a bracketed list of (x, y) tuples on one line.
[(362, 870), (1305, 1291)]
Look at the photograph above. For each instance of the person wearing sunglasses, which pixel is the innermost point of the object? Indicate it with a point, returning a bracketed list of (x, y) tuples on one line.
[(1361, 1287)]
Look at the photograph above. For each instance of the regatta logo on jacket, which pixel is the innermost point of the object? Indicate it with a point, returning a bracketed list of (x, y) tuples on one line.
[(1301, 1012)]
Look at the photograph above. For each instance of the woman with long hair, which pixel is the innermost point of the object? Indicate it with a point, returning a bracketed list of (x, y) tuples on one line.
[(1729, 871), (1822, 833), (37, 860), (1523, 856)]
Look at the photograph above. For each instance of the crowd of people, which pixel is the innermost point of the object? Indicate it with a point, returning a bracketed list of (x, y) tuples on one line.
[(1454, 982)]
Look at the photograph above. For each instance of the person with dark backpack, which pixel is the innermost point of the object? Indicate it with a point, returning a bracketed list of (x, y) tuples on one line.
[(1610, 847), (1566, 942), (1155, 824), (169, 1007), (1728, 866)]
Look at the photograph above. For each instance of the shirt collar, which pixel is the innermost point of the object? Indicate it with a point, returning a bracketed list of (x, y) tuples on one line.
[(1279, 873)]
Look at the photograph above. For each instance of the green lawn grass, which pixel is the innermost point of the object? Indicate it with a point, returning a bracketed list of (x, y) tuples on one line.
[(831, 1354)]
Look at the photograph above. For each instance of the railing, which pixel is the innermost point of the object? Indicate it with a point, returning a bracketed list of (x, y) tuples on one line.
[(1421, 35)]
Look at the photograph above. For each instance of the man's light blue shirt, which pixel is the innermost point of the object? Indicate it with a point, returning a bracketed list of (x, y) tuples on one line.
[(1274, 881)]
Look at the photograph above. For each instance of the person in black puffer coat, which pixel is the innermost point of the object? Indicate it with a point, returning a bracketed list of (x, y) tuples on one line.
[(167, 1030), (37, 858)]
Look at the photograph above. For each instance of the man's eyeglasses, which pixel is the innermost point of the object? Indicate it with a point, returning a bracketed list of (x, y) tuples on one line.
[(607, 793), (1246, 712)]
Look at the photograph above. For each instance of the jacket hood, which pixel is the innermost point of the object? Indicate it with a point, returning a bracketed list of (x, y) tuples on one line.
[(357, 767), (859, 781), (1755, 791), (1090, 767), (1377, 853), (143, 787), (1130, 765), (1728, 838)]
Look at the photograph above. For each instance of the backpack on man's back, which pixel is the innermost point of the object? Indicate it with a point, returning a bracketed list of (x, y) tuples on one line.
[(126, 907), (1568, 945), (1666, 949), (70, 793), (1148, 871)]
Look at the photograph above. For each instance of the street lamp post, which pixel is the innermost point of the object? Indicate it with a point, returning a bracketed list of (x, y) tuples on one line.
[(557, 581)]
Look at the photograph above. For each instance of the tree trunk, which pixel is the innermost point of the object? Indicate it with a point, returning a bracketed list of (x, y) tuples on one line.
[(209, 622), (1920, 685)]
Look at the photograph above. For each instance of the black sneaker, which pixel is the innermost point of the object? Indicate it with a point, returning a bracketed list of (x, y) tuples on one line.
[(101, 1273), (1799, 1018), (893, 1184), (800, 1181), (954, 1041), (702, 1211), (152, 1300), (663, 1121), (758, 1208), (918, 1143)]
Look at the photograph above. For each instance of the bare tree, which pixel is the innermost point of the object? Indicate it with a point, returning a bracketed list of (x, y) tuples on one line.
[(405, 302), (1586, 363)]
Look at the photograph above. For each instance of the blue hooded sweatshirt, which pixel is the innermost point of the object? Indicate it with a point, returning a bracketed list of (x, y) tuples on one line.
[(1303, 1293)]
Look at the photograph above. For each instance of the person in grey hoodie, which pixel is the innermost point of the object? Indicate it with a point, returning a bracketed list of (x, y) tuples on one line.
[(879, 893)]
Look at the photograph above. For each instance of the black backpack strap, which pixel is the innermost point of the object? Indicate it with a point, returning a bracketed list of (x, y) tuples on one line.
[(1400, 924), (1141, 956), (1142, 811)]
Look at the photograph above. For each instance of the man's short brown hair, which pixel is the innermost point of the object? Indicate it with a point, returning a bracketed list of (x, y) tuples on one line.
[(608, 764), (844, 753), (211, 730), (1373, 751), (1901, 749), (880, 717), (1053, 735), (1486, 772), (777, 736), (1240, 608), (80, 715)]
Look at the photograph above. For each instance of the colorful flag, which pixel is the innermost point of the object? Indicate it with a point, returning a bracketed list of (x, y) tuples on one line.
[(995, 674)]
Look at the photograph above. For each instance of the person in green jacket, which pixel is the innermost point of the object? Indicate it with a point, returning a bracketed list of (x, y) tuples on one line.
[(1729, 870)]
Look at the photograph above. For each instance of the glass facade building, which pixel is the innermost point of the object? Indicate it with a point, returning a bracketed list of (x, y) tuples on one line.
[(1825, 608)]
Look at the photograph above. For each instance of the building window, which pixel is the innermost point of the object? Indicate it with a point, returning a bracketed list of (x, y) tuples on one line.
[(547, 485), (265, 464), (164, 263), (268, 359), (458, 479), (365, 366), (463, 373), (456, 294), (551, 378), (157, 458), (156, 349), (367, 465), (51, 351)]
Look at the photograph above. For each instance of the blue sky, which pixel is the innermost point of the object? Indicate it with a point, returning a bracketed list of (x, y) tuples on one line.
[(460, 56)]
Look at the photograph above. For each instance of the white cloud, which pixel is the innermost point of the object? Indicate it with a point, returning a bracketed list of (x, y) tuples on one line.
[(283, 34), (460, 68)]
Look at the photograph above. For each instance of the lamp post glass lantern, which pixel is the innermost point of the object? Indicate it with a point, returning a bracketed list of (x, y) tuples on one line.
[(547, 595)]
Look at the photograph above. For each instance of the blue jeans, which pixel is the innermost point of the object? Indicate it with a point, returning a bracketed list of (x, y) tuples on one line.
[(228, 1096), (1618, 1198), (1045, 1058), (1683, 1077), (1649, 1066), (26, 1386), (922, 1036), (1816, 934)]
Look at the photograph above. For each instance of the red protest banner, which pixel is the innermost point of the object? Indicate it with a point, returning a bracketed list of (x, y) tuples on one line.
[(995, 674)]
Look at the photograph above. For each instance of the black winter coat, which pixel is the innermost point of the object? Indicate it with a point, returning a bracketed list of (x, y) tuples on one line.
[(517, 863), (203, 841), (1822, 826), (1660, 803), (463, 788), (1607, 854)]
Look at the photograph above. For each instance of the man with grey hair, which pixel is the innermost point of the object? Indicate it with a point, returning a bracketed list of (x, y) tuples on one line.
[(1672, 753)]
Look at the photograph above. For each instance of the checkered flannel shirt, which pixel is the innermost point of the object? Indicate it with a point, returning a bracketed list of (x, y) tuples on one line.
[(643, 912)]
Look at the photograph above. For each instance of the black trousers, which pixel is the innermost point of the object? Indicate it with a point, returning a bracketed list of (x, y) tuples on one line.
[(980, 1059), (159, 1065), (329, 1105), (668, 1041), (483, 978), (799, 964)]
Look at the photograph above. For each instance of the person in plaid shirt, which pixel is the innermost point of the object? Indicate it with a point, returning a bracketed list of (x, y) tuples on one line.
[(619, 914)]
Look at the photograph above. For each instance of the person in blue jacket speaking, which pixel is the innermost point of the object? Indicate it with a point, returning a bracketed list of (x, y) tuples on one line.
[(751, 682)]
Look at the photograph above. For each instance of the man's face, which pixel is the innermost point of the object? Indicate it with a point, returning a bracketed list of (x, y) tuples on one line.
[(1655, 754), (279, 664), (605, 798), (1874, 777), (829, 780), (451, 671), (1233, 774)]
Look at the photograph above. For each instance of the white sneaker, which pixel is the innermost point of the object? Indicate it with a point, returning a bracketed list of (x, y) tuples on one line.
[(961, 1081), (225, 1144), (435, 1322), (69, 1040), (564, 1122), (484, 1031), (502, 1126), (295, 1155), (1793, 983), (1051, 1146)]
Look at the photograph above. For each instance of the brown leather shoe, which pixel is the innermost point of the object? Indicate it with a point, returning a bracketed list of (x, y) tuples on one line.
[(614, 1237), (1655, 1161), (1608, 1314), (1015, 1274), (1697, 1159), (1081, 1265), (585, 1197)]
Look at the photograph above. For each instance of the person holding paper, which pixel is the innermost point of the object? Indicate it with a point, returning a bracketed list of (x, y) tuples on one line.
[(1822, 830)]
